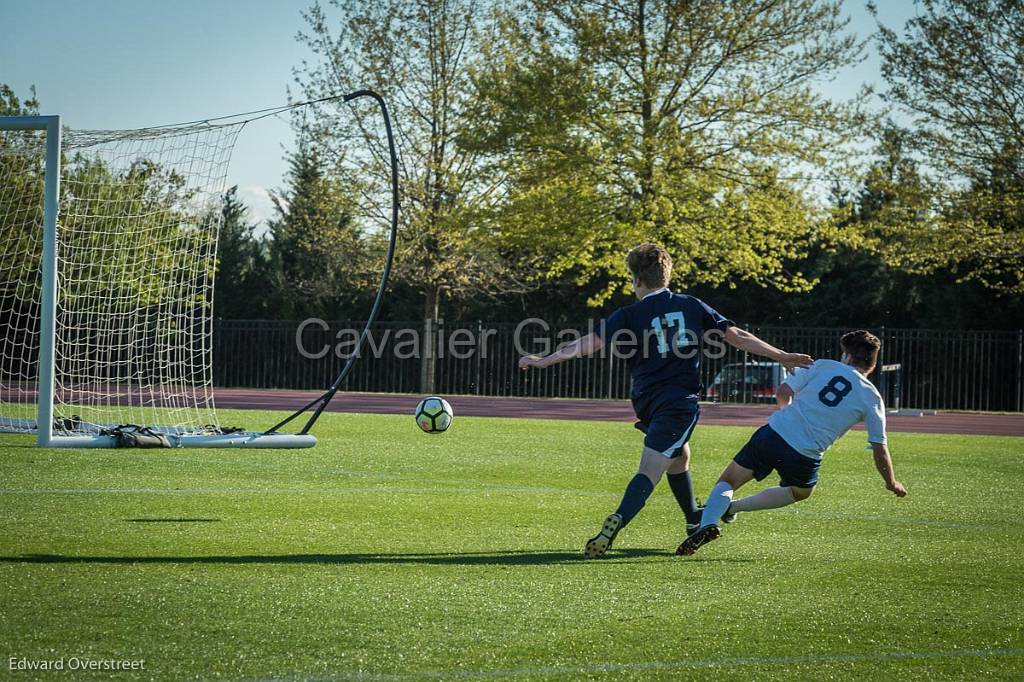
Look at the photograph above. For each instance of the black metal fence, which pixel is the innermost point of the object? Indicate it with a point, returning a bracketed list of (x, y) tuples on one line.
[(962, 370)]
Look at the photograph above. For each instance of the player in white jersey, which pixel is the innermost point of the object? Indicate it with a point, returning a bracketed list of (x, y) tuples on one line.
[(827, 398)]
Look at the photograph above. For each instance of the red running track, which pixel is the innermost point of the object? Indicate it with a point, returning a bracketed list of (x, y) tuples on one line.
[(969, 423)]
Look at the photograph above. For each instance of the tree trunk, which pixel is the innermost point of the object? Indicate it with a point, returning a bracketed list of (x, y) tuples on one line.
[(647, 190), (428, 363)]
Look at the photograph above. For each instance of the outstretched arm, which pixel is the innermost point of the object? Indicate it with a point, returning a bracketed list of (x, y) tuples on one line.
[(581, 347), (744, 340), (883, 462)]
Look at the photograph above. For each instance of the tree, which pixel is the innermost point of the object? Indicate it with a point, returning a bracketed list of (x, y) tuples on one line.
[(958, 72), (11, 105), (21, 212), (114, 217), (417, 55), (317, 251), (687, 123), (859, 284), (896, 209), (242, 264), (21, 168)]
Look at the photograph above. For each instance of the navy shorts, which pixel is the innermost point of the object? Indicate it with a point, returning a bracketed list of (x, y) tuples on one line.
[(667, 419), (767, 451)]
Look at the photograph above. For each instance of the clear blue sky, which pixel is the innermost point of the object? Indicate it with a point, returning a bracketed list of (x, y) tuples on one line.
[(127, 64)]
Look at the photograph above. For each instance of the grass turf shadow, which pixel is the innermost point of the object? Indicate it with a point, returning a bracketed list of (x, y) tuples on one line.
[(508, 558)]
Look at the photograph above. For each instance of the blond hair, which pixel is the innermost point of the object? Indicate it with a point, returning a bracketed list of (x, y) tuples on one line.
[(650, 265)]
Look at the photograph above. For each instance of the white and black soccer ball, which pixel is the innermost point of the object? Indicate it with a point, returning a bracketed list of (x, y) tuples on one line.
[(434, 414)]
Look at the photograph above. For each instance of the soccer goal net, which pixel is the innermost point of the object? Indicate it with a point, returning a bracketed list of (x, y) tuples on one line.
[(108, 247)]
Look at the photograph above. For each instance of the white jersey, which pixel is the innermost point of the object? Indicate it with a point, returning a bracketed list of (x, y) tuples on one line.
[(830, 398)]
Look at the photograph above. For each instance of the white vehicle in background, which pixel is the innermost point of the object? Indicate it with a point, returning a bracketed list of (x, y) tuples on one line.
[(747, 382)]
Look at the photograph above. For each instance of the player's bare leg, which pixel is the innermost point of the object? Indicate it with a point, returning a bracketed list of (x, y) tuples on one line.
[(772, 498), (653, 465), (681, 462)]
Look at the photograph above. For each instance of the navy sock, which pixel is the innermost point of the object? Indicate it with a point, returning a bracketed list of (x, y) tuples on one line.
[(682, 488), (635, 497)]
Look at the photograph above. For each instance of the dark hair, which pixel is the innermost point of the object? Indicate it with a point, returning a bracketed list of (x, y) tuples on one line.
[(650, 264), (863, 347)]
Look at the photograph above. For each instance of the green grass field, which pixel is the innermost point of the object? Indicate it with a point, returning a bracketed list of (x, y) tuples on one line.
[(387, 554)]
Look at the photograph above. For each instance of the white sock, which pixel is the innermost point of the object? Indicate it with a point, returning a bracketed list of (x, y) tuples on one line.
[(717, 502), (769, 498)]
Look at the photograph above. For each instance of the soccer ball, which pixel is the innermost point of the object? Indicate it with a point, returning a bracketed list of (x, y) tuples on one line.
[(434, 414)]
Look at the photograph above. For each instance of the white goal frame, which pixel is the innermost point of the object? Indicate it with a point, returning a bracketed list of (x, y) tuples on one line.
[(48, 302), (48, 313)]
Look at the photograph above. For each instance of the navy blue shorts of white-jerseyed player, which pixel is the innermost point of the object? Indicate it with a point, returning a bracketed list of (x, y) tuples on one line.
[(663, 337)]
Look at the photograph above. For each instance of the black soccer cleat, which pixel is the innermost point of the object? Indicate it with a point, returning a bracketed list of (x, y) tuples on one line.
[(600, 543), (703, 536), (729, 516)]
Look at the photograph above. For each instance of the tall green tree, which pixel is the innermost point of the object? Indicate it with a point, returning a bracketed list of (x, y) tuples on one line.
[(124, 222), (688, 123), (417, 54), (21, 206), (957, 71), (875, 286), (125, 230), (317, 251), (240, 290)]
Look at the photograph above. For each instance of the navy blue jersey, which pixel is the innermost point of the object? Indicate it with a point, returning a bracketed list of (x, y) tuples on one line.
[(662, 337)]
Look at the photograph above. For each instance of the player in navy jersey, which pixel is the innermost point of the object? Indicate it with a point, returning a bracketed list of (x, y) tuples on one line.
[(827, 399), (662, 336)]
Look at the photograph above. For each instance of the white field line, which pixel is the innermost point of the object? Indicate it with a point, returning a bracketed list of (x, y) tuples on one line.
[(593, 668), (410, 490)]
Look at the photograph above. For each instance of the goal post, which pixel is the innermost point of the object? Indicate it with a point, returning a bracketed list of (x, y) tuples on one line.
[(50, 125), (108, 246)]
